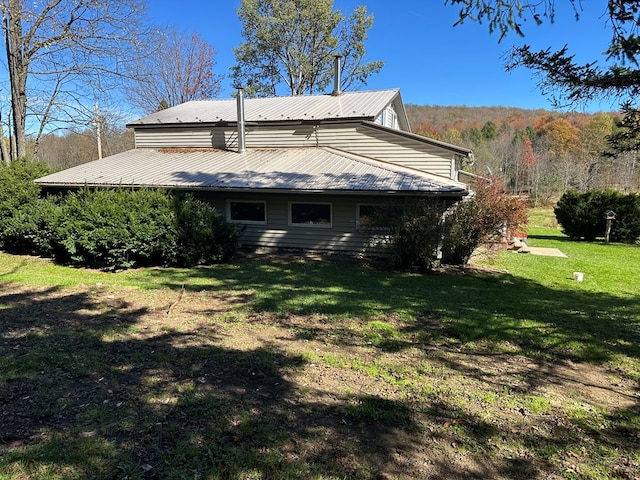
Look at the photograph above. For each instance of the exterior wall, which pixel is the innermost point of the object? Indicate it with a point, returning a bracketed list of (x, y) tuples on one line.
[(342, 237), (388, 147), (388, 117), (354, 137)]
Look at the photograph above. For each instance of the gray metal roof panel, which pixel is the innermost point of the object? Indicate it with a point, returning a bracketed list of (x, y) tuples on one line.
[(300, 169), (364, 104)]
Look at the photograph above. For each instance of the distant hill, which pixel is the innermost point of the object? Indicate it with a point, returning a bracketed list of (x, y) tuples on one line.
[(439, 118)]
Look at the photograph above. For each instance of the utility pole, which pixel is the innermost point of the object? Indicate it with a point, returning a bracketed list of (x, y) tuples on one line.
[(98, 131)]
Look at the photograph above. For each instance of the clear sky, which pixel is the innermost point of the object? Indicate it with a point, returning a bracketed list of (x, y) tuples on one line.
[(430, 60)]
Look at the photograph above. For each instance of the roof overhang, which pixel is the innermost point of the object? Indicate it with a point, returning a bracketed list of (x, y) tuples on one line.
[(318, 170)]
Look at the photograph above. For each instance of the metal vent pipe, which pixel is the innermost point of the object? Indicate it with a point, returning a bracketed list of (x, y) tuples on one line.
[(240, 105), (337, 75)]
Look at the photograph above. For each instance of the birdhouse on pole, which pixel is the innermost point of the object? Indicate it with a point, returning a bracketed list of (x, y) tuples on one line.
[(609, 216)]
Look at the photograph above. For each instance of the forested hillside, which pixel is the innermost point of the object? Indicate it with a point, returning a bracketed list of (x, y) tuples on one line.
[(539, 153)]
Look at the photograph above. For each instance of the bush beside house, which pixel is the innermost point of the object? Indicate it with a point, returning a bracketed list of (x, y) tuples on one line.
[(25, 218), (110, 228), (423, 232)]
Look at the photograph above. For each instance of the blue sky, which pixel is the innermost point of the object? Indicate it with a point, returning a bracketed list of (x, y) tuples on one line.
[(430, 60)]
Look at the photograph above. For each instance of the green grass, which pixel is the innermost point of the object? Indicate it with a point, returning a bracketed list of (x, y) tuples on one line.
[(325, 370)]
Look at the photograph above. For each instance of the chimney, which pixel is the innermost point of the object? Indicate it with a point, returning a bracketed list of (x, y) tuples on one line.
[(337, 74), (240, 105)]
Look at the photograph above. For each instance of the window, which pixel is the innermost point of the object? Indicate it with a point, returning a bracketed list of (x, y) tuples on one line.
[(247, 212), (368, 215), (310, 214)]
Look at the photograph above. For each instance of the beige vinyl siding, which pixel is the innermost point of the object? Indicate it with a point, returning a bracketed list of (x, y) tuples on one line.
[(166, 137), (352, 137), (388, 147), (342, 237), (226, 137)]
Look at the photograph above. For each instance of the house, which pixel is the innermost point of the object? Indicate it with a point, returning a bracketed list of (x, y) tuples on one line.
[(298, 172)]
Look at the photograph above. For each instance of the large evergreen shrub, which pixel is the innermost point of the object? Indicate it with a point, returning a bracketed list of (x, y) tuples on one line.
[(203, 235), (115, 229), (124, 228), (582, 215), (25, 218)]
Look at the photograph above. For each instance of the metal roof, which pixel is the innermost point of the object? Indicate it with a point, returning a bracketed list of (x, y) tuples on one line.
[(313, 169), (363, 105)]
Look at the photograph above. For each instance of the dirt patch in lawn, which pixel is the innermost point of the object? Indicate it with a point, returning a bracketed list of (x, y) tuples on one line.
[(147, 384)]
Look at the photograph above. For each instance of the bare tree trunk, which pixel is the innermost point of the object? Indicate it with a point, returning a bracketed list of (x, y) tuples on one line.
[(57, 49), (12, 25)]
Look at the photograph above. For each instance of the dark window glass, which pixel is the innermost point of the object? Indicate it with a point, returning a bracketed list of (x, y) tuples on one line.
[(369, 215), (248, 211), (311, 213)]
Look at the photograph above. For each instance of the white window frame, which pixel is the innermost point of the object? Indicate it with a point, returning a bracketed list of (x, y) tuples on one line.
[(247, 222), (310, 225)]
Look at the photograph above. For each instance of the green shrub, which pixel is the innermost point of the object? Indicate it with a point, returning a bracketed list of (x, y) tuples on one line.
[(25, 218), (124, 228), (203, 235), (582, 215), (116, 229), (410, 231)]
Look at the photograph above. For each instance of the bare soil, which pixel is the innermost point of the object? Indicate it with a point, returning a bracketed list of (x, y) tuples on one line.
[(426, 409)]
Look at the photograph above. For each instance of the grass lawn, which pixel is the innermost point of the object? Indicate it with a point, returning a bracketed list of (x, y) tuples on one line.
[(290, 368)]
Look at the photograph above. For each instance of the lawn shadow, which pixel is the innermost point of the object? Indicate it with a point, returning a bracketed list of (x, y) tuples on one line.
[(86, 391), (570, 323)]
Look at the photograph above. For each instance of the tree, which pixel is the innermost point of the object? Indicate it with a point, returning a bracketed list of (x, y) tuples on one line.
[(180, 69), (294, 43), (562, 140), (61, 55), (593, 144), (618, 77)]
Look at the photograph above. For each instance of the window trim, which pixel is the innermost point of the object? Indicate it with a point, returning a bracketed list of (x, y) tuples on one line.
[(310, 225), (247, 222)]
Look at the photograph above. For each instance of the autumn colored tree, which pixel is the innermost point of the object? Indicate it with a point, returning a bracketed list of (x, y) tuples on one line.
[(591, 161), (294, 43), (180, 69), (481, 219), (426, 129)]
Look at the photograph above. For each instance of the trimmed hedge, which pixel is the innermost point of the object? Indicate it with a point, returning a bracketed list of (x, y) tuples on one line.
[(582, 215), (111, 229), (115, 229), (25, 218), (118, 229)]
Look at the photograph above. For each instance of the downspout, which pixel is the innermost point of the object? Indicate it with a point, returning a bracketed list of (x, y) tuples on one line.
[(240, 105)]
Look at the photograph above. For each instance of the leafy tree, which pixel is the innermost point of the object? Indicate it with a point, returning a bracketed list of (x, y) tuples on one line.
[(294, 42), (56, 50), (489, 130), (591, 160), (180, 69), (617, 75)]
